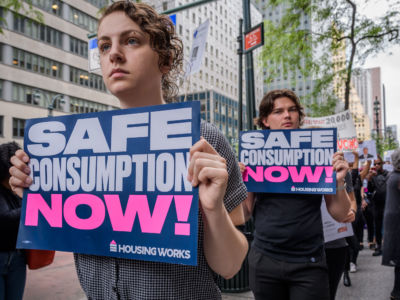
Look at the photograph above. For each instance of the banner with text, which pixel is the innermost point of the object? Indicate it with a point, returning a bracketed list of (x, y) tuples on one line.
[(347, 135), (113, 184), (295, 161)]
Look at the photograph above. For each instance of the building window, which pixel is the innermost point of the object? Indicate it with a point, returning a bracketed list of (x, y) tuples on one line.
[(37, 31), (33, 96), (78, 47), (98, 3), (87, 79), (18, 128), (36, 63), (53, 6), (82, 20), (78, 105)]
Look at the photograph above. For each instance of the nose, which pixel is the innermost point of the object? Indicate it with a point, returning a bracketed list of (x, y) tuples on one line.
[(286, 114), (117, 54)]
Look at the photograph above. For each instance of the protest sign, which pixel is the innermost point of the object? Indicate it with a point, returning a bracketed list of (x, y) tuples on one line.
[(297, 161), (367, 151), (113, 184), (347, 135), (333, 230)]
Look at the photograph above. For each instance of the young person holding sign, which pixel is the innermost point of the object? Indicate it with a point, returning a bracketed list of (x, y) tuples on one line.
[(139, 56), (287, 256)]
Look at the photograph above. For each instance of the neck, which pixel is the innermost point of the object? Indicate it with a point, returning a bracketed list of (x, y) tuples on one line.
[(141, 97)]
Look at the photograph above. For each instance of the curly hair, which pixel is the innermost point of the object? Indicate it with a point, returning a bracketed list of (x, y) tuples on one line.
[(267, 105), (163, 40), (6, 151)]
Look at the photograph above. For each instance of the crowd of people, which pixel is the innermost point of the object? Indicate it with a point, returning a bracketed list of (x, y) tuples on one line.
[(140, 56)]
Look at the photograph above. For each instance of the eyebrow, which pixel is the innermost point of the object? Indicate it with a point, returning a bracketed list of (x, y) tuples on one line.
[(123, 34)]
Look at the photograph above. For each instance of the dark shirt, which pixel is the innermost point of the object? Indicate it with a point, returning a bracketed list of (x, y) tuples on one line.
[(289, 226), (10, 211), (357, 185), (377, 186)]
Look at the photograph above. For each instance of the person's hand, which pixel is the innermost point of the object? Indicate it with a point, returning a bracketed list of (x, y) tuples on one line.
[(19, 172), (355, 153), (340, 166), (351, 216), (207, 170), (364, 204), (242, 167)]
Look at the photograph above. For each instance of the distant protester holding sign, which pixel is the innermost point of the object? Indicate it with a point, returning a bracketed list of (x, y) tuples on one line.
[(287, 256), (139, 55)]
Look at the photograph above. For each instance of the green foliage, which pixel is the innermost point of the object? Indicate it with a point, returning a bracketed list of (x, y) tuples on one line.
[(23, 7), (292, 45), (383, 144)]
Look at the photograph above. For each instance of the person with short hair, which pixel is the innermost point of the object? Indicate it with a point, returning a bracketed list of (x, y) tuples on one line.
[(140, 54), (377, 178), (287, 259), (391, 245)]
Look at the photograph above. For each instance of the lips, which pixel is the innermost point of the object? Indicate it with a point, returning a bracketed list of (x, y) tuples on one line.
[(118, 73), (287, 124)]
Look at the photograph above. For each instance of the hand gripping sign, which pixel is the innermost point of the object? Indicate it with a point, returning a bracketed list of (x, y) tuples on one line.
[(289, 161), (113, 184)]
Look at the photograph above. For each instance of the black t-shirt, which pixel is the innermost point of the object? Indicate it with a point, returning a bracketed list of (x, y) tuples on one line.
[(289, 226)]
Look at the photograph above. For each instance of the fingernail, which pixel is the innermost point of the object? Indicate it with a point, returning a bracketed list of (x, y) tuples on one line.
[(27, 170), (25, 158), (28, 180)]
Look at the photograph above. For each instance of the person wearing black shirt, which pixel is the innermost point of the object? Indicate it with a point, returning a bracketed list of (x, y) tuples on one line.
[(377, 186), (286, 260), (12, 260)]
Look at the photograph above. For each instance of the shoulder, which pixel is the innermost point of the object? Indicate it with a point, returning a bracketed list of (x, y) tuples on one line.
[(211, 133)]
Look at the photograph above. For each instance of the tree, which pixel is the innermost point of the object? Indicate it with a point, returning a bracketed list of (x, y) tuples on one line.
[(336, 26), (24, 7)]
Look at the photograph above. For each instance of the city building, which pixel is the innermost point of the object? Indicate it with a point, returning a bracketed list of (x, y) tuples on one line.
[(358, 112), (391, 132), (368, 85), (44, 66), (295, 81), (216, 84)]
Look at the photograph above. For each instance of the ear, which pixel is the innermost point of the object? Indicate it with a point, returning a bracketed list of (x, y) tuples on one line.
[(265, 122)]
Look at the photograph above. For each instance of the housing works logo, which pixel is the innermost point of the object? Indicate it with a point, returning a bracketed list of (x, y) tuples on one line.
[(113, 246)]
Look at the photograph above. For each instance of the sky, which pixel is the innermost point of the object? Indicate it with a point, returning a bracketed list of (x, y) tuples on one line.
[(389, 62)]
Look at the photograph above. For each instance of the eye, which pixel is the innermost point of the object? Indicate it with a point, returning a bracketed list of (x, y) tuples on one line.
[(293, 109), (104, 47), (132, 41)]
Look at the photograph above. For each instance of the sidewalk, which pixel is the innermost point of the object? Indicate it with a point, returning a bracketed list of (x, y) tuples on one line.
[(55, 282), (372, 281)]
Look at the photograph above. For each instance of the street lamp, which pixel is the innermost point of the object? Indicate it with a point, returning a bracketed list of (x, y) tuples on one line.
[(377, 108), (51, 103)]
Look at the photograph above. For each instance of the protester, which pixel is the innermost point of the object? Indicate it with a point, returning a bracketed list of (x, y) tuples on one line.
[(12, 261), (367, 208), (377, 186), (139, 54), (358, 176), (287, 260), (391, 245), (337, 250)]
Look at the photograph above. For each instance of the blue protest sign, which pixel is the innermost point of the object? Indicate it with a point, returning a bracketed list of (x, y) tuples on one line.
[(113, 184), (289, 161)]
